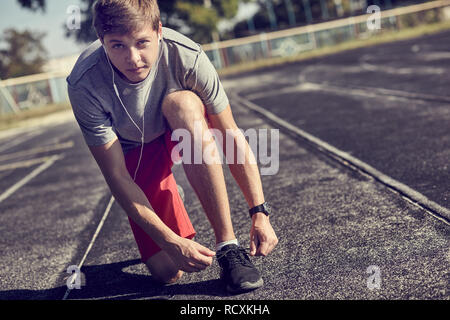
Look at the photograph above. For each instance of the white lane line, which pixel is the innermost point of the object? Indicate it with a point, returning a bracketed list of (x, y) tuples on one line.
[(431, 207), (59, 146), (402, 71), (23, 164), (432, 56), (376, 92), (353, 90), (94, 237), (27, 178), (268, 93), (13, 141)]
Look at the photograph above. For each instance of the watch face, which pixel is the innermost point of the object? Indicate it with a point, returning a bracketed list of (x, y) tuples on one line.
[(267, 208)]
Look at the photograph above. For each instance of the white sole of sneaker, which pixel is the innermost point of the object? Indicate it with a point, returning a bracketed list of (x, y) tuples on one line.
[(246, 286)]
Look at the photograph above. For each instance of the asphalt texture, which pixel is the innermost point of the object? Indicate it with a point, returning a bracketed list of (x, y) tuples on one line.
[(333, 222), (387, 105)]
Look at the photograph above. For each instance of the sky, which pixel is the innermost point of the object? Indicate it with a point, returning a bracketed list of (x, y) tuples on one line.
[(53, 22)]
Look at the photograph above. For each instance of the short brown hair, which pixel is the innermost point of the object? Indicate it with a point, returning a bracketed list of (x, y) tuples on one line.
[(124, 16)]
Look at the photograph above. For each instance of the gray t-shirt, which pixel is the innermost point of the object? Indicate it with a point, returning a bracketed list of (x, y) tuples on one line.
[(182, 65)]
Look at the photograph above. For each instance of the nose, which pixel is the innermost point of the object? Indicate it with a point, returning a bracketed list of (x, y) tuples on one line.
[(133, 57)]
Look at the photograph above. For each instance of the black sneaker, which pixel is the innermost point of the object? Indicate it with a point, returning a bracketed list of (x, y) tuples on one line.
[(238, 272)]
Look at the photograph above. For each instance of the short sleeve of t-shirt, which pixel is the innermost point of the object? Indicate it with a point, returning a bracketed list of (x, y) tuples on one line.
[(205, 82), (94, 122)]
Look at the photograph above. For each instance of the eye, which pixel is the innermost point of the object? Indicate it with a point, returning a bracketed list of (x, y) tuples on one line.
[(143, 43), (117, 46)]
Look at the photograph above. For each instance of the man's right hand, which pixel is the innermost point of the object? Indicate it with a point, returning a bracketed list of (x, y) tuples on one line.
[(189, 255)]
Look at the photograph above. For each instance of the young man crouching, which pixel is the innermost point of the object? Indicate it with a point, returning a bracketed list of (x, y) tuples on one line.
[(129, 90)]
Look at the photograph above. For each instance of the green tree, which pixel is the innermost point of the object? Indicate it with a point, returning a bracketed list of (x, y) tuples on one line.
[(197, 19), (22, 53), (33, 5), (298, 11)]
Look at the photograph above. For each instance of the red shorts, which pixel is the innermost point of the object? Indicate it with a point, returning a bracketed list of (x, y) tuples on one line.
[(156, 180)]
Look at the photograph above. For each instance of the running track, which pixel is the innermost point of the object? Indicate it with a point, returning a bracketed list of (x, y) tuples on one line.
[(363, 177)]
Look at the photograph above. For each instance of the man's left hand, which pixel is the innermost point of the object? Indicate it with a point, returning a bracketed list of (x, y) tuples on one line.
[(262, 236)]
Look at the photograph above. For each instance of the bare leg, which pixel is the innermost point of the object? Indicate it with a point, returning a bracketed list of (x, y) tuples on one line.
[(246, 174), (182, 109), (163, 269)]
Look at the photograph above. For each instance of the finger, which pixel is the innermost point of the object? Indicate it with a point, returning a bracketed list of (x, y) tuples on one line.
[(263, 249), (193, 266), (200, 266), (269, 248), (189, 268), (253, 244), (202, 260), (273, 244), (206, 251)]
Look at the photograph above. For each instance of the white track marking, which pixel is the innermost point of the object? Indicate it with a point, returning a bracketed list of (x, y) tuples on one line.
[(27, 178), (368, 92), (13, 141), (23, 164), (371, 92), (269, 93), (432, 56), (94, 237), (376, 66), (54, 147), (396, 70), (443, 214)]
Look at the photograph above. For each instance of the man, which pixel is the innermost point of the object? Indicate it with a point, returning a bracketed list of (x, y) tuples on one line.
[(129, 91)]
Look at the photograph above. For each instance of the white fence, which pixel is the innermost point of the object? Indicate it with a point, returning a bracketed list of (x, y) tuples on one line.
[(294, 41), (50, 88), (27, 92)]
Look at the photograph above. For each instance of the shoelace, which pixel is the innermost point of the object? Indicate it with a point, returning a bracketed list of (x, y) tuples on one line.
[(235, 256)]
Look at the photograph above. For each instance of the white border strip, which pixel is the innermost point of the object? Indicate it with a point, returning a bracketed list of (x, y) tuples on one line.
[(59, 146), (30, 176), (14, 141), (437, 211), (94, 237), (23, 164)]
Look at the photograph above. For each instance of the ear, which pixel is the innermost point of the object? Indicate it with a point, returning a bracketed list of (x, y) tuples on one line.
[(160, 31)]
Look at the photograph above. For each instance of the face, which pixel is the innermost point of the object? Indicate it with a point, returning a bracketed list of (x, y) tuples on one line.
[(133, 54)]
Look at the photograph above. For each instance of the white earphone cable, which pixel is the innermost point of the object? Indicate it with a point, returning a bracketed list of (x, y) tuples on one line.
[(142, 132)]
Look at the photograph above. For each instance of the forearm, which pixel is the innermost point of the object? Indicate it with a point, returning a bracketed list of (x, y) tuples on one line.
[(240, 157), (136, 205), (246, 173)]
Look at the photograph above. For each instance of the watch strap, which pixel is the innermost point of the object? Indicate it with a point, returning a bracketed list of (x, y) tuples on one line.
[(264, 208)]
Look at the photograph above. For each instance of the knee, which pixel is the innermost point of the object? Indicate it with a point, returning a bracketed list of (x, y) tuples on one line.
[(162, 268), (183, 105), (167, 277)]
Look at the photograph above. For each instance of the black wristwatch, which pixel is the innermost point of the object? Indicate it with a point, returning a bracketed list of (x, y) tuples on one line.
[(264, 208)]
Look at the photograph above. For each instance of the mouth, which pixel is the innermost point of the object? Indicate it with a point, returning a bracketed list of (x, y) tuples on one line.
[(137, 70)]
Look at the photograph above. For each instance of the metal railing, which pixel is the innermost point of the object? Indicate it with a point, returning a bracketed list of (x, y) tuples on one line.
[(293, 41), (28, 92)]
